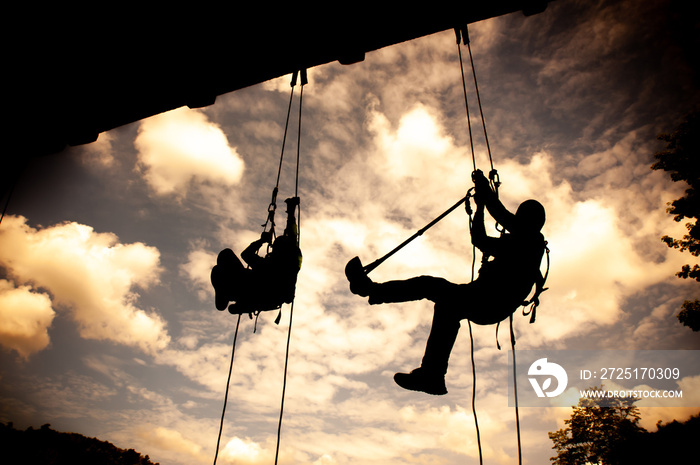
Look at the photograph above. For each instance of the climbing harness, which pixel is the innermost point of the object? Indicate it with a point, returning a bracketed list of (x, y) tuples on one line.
[(270, 222)]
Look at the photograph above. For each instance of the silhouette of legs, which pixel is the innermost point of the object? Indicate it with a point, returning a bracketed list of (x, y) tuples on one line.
[(449, 298), (420, 287), (430, 376), (453, 303), (226, 277), (442, 337)]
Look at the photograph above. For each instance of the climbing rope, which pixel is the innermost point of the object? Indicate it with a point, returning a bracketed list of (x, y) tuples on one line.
[(228, 382), (291, 311), (515, 391), (273, 201), (495, 183), (271, 222), (476, 421), (465, 36), (462, 35), (464, 88)]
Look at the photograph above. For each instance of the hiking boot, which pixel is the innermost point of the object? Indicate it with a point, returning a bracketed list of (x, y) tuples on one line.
[(221, 277), (292, 203), (360, 283), (423, 381)]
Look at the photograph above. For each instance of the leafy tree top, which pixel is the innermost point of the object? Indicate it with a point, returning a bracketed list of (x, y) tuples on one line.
[(594, 430), (681, 159)]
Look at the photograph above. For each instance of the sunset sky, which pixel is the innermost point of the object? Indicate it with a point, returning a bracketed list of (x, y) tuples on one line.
[(107, 319)]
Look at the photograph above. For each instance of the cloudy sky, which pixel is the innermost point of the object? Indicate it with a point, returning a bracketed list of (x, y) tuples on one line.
[(108, 326)]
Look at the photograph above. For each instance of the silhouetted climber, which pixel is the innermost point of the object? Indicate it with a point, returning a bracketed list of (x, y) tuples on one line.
[(269, 281), (503, 284)]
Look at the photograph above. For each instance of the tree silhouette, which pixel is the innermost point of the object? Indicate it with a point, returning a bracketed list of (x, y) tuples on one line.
[(46, 446), (681, 158), (606, 431), (597, 431)]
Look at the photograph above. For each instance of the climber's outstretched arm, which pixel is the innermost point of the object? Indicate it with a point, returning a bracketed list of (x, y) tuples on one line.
[(500, 213), (250, 254), (496, 209), (487, 245)]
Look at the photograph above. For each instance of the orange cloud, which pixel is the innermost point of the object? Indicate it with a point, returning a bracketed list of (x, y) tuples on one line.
[(25, 317), (90, 273), (180, 147)]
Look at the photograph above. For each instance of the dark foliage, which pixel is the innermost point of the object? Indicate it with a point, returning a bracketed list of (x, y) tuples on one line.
[(681, 159), (597, 431), (690, 314), (610, 435), (46, 446)]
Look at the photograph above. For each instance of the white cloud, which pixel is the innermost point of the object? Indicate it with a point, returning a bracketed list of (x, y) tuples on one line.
[(174, 442), (417, 145), (244, 452), (180, 147), (198, 269), (92, 274), (25, 317)]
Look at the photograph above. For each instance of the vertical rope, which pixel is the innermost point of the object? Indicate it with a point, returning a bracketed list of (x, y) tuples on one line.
[(515, 391), (478, 98), (228, 382), (273, 201), (286, 126), (301, 98), (471, 336), (291, 311), (466, 101), (284, 384), (476, 421), (493, 174), (271, 210)]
